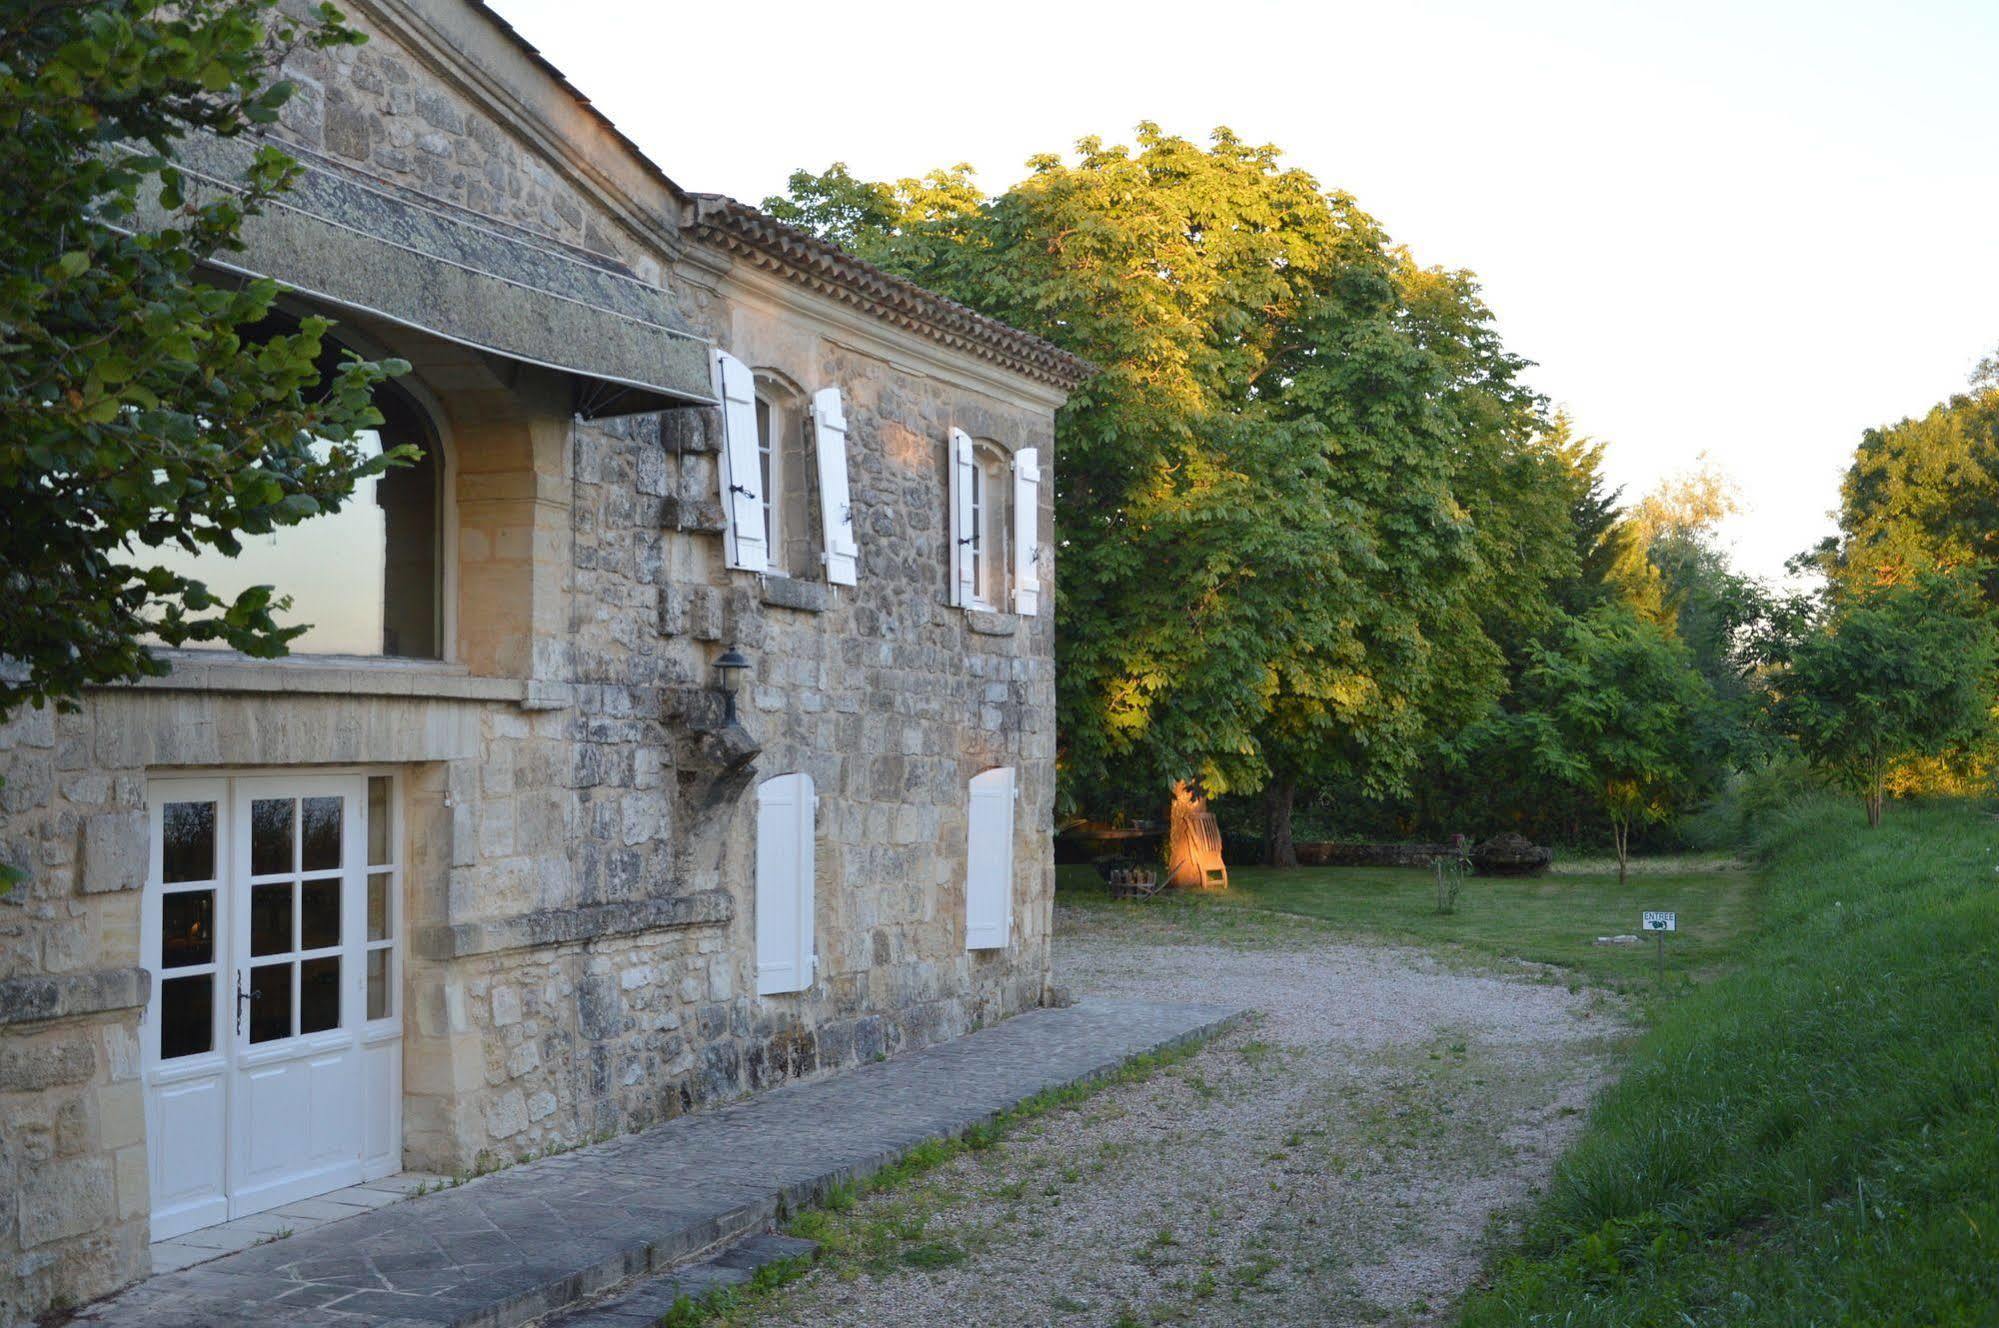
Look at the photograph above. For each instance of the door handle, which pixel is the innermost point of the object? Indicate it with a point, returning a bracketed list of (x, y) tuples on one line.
[(242, 997)]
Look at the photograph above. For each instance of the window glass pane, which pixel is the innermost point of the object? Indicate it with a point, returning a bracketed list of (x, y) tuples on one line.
[(319, 994), (187, 928), (270, 836), (187, 1016), (380, 822), (187, 842), (270, 1002), (363, 580), (319, 834), (379, 920), (378, 984), (318, 914), (271, 918)]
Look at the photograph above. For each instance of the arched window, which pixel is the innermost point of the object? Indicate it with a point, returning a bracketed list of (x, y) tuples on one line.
[(368, 578), (992, 525), (995, 537), (786, 473)]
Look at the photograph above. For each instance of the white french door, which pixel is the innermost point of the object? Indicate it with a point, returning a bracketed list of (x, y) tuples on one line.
[(273, 1039)]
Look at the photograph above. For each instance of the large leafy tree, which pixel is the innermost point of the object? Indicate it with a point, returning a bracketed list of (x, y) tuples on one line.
[(1269, 556), (1884, 675), (141, 407), (1923, 495), (1615, 708), (1448, 493)]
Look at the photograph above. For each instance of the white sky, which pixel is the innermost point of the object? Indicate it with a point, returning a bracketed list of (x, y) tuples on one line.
[(1750, 229)]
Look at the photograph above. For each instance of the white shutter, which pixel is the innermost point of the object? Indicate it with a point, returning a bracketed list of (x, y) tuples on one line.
[(747, 544), (836, 513), (963, 589), (784, 884), (1027, 531), (989, 861)]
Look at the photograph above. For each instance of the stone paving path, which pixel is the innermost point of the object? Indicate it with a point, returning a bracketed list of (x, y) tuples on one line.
[(512, 1246), (193, 1247)]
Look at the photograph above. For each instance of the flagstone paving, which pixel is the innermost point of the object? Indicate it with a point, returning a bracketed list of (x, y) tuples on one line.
[(509, 1247)]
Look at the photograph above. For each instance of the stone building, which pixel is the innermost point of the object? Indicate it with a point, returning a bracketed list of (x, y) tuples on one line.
[(486, 867)]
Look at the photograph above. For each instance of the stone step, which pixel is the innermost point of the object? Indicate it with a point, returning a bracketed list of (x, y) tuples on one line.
[(643, 1301)]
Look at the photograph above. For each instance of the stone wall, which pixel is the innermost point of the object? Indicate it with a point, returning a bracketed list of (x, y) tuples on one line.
[(578, 913), (389, 113), (890, 699)]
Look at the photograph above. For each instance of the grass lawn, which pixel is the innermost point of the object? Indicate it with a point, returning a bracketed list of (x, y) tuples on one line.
[(1813, 1139), (1553, 919)]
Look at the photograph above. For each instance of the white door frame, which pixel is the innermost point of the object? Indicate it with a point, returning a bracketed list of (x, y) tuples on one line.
[(250, 1125)]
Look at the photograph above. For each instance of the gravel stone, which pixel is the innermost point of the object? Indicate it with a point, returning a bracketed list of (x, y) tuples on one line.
[(1342, 1158)]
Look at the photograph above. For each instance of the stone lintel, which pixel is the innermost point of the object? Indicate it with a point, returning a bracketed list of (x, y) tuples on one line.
[(559, 926), (792, 593), (67, 995)]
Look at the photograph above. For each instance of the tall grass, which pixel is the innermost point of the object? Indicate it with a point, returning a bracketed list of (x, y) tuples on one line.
[(1813, 1139)]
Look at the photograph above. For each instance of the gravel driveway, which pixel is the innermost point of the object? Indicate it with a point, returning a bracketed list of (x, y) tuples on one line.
[(1340, 1159)]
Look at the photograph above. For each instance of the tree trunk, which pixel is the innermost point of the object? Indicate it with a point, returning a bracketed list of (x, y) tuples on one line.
[(1278, 797), (1874, 808), (1620, 833)]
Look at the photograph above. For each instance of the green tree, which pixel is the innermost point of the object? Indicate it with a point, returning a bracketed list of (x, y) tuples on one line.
[(1445, 485), (1614, 708), (1885, 675), (1245, 584), (1923, 495), (1596, 531), (141, 407)]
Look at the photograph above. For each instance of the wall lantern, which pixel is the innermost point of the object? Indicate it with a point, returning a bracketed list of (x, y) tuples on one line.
[(728, 670)]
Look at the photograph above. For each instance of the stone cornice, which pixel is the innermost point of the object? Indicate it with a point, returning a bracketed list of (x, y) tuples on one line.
[(763, 242)]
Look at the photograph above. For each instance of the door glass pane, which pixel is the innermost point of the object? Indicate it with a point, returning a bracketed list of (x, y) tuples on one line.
[(319, 834), (378, 984), (270, 1002), (319, 994), (378, 907), (270, 836), (187, 1016), (378, 821), (187, 842), (318, 915), (271, 918), (187, 928)]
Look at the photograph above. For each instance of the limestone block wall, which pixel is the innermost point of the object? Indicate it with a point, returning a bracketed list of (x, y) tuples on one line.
[(579, 873), (386, 110), (535, 1037)]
